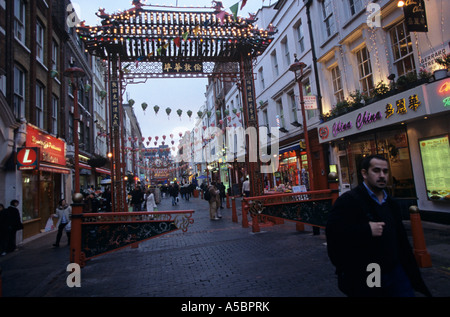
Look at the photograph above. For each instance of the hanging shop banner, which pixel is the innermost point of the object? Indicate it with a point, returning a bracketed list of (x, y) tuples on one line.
[(415, 16), (115, 103), (52, 150), (27, 158), (182, 67)]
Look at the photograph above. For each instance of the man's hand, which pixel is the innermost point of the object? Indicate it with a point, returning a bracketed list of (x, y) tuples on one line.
[(377, 228)]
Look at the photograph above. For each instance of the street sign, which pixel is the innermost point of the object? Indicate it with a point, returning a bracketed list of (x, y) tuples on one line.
[(27, 158)]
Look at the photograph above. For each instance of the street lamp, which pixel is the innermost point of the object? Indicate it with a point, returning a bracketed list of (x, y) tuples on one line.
[(74, 73), (297, 69)]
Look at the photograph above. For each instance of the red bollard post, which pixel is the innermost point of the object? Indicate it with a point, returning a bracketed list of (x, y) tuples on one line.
[(75, 234), (255, 224), (244, 214), (420, 250), (300, 226), (234, 217)]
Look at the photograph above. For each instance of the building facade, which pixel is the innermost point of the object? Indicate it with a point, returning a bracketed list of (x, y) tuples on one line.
[(39, 43), (383, 96), (278, 95)]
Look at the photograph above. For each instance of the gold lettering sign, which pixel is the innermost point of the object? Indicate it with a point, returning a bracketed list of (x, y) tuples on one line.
[(182, 67)]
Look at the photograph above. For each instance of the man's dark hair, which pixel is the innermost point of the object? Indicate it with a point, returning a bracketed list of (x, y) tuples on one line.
[(365, 164)]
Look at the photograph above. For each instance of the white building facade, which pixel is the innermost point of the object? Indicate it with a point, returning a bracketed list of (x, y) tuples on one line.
[(378, 97)]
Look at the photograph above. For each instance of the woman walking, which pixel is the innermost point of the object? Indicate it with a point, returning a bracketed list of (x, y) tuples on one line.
[(63, 213)]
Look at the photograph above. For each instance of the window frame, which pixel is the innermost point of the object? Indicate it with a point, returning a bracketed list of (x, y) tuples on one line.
[(275, 66), (396, 47), (300, 36), (355, 7), (285, 47), (365, 74), (336, 79), (19, 92), (40, 97), (20, 21), (55, 108), (280, 113), (327, 14), (40, 41), (293, 107), (55, 55), (261, 78)]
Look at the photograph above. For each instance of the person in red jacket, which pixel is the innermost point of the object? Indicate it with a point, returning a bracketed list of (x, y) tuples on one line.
[(365, 235)]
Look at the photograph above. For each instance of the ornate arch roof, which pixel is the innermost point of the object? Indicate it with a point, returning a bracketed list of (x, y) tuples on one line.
[(170, 34)]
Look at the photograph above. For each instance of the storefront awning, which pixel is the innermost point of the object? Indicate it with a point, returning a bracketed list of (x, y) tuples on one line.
[(102, 170), (53, 168), (289, 148), (83, 165)]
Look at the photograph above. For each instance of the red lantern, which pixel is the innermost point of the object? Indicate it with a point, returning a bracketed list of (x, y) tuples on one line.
[(149, 138), (164, 137), (156, 138), (173, 142), (171, 136), (180, 134), (156, 143)]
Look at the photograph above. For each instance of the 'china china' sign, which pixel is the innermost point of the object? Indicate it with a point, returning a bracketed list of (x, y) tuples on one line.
[(388, 111), (52, 150)]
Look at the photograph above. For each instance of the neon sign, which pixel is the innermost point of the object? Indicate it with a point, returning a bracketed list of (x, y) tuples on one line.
[(446, 102), (444, 88)]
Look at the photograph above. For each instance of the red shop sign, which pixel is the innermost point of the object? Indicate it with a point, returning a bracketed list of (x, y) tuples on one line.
[(52, 150), (27, 158)]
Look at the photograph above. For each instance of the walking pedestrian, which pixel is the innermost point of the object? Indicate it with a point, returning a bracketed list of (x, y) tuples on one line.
[(63, 213), (3, 230), (137, 197), (107, 199), (173, 192), (10, 223), (365, 231), (213, 201), (246, 188), (222, 193), (150, 200), (219, 203)]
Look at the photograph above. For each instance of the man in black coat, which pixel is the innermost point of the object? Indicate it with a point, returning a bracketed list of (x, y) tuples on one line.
[(365, 235), (10, 223), (137, 198)]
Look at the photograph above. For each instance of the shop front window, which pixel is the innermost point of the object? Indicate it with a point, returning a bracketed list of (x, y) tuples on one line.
[(288, 169), (29, 194), (393, 145)]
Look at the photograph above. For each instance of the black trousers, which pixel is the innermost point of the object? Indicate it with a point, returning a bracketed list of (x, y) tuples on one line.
[(59, 234), (8, 240)]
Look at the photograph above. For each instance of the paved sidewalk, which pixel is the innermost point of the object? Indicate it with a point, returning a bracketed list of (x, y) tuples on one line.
[(212, 259)]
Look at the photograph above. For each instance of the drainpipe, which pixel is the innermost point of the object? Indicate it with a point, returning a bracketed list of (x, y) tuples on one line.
[(313, 50)]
